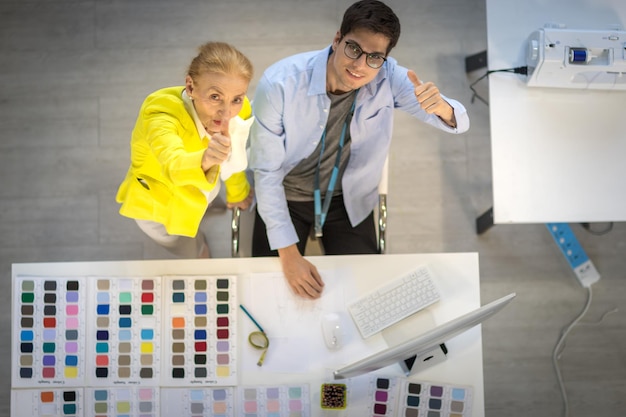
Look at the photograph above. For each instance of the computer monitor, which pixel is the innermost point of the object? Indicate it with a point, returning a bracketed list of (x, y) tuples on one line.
[(423, 343)]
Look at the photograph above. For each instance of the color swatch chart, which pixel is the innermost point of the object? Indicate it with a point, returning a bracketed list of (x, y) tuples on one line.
[(200, 332), (48, 332), (124, 342), (274, 401), (124, 401), (384, 392), (112, 331), (401, 397), (198, 402), (48, 402)]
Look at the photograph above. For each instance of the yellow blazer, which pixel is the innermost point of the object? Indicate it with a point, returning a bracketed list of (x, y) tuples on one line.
[(165, 182)]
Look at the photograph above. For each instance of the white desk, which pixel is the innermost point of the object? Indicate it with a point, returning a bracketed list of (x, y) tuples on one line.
[(557, 154), (346, 277)]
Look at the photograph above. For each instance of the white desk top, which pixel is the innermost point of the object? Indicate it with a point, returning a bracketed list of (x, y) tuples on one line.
[(557, 154), (292, 324)]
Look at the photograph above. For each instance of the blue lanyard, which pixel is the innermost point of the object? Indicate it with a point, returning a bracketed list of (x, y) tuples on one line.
[(320, 212)]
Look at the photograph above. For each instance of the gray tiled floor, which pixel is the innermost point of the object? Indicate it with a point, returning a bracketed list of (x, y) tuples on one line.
[(72, 77)]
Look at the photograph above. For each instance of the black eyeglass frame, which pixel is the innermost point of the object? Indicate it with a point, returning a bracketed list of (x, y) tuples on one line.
[(351, 46)]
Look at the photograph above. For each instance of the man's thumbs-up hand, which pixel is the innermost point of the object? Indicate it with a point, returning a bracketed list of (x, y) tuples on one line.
[(429, 98)]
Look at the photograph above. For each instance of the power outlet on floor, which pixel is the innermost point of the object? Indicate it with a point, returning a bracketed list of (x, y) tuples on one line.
[(574, 254)]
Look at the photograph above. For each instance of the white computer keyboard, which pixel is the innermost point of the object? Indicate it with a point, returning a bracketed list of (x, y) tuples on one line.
[(394, 301)]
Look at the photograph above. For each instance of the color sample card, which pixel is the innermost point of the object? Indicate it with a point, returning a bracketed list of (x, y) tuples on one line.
[(435, 400), (104, 331), (124, 338), (200, 336), (47, 403), (384, 393), (405, 398), (122, 402), (48, 331), (274, 401), (198, 402)]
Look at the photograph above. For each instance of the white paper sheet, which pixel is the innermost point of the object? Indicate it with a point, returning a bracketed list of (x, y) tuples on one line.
[(289, 320)]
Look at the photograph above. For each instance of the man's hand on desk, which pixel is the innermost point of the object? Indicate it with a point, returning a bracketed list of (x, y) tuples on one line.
[(301, 275)]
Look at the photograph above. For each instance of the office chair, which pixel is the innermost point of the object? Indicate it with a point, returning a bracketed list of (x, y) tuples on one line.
[(381, 214), (382, 208), (234, 227)]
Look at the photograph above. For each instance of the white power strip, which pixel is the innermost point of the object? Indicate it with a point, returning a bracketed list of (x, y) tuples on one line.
[(574, 254)]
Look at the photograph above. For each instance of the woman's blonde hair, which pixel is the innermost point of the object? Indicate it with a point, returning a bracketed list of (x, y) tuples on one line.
[(222, 58)]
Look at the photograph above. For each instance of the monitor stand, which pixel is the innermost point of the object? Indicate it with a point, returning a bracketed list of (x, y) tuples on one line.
[(417, 363), (413, 325)]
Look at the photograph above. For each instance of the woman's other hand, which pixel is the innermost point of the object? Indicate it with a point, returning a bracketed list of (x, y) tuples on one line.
[(244, 204)]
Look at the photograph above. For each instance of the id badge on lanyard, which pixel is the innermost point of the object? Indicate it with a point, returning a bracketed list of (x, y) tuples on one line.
[(322, 210)]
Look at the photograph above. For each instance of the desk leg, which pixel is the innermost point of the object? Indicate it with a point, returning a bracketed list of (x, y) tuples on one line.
[(473, 63), (484, 222), (476, 61)]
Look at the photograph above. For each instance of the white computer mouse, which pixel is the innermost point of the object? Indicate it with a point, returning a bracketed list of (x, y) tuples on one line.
[(332, 330)]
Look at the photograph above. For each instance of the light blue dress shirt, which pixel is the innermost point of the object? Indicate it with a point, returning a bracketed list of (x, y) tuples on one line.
[(291, 109)]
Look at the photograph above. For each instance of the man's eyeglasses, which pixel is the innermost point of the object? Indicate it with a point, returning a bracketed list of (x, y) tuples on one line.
[(354, 51)]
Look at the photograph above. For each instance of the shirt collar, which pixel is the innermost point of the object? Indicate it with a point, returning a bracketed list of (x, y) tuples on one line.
[(318, 75), (192, 111)]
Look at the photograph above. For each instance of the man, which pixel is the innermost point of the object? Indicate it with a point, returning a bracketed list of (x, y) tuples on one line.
[(322, 134)]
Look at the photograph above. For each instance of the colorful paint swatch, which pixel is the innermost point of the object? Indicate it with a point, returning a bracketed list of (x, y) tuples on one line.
[(274, 401), (123, 342), (48, 331), (198, 402), (430, 399), (384, 395), (118, 402), (200, 330), (67, 402)]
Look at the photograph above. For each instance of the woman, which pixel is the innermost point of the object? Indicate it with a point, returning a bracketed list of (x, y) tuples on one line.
[(187, 140)]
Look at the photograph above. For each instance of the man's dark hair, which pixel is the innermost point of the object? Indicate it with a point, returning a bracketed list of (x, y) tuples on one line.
[(374, 16)]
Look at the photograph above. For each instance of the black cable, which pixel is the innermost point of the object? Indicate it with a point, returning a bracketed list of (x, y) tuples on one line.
[(476, 95), (516, 70)]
